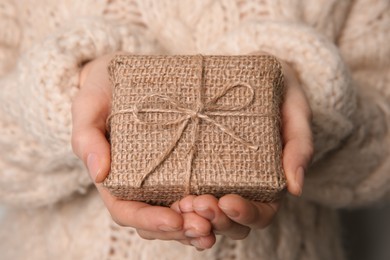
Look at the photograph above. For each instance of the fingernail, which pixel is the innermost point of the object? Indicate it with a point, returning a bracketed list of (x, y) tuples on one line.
[(299, 179), (166, 228), (191, 233), (93, 166), (195, 243)]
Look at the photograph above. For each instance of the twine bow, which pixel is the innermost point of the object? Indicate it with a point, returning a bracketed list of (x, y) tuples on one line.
[(201, 112)]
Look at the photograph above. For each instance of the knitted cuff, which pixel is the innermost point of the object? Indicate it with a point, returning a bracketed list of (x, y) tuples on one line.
[(358, 174), (36, 113)]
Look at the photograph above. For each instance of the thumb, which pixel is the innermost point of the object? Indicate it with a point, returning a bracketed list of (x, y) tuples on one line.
[(297, 135), (89, 142)]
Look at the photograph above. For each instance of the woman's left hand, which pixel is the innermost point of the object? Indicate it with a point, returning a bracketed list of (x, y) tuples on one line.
[(234, 216)]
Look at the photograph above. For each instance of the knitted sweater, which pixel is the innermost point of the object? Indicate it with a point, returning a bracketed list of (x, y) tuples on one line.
[(339, 50)]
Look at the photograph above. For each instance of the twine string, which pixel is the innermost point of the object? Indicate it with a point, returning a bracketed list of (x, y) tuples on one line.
[(195, 115)]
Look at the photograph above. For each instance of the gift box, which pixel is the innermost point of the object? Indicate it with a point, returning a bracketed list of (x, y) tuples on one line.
[(195, 124)]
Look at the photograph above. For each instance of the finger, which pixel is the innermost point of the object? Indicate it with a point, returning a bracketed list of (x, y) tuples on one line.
[(200, 243), (187, 243), (89, 135), (194, 227), (207, 206), (152, 235), (141, 215), (175, 206), (90, 110), (185, 204), (248, 213), (205, 242), (297, 135), (194, 224)]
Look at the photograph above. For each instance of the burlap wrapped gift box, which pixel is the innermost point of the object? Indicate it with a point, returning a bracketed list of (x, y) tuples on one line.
[(195, 125)]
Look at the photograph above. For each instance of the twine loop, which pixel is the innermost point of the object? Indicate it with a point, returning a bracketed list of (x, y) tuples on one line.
[(200, 112)]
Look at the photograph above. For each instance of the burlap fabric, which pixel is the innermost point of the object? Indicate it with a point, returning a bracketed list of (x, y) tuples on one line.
[(195, 125)]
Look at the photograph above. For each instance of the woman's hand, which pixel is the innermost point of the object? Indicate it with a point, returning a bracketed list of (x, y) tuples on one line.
[(90, 110), (234, 216)]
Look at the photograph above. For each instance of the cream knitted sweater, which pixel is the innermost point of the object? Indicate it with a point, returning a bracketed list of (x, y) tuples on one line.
[(340, 50)]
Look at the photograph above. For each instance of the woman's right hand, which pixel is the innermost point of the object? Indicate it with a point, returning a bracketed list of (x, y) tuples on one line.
[(90, 110)]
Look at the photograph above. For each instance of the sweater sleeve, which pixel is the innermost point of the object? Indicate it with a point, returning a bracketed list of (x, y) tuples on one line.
[(334, 48), (321, 70), (37, 166), (358, 172)]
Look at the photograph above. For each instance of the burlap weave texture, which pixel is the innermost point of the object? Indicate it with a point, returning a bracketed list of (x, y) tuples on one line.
[(195, 125)]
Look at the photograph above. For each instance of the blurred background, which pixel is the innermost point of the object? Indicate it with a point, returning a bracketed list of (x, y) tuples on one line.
[(1, 212), (366, 233)]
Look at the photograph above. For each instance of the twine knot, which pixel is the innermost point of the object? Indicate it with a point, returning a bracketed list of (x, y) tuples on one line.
[(200, 112), (195, 113)]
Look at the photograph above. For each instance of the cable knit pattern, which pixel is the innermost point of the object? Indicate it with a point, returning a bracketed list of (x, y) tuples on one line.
[(35, 109), (332, 45)]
